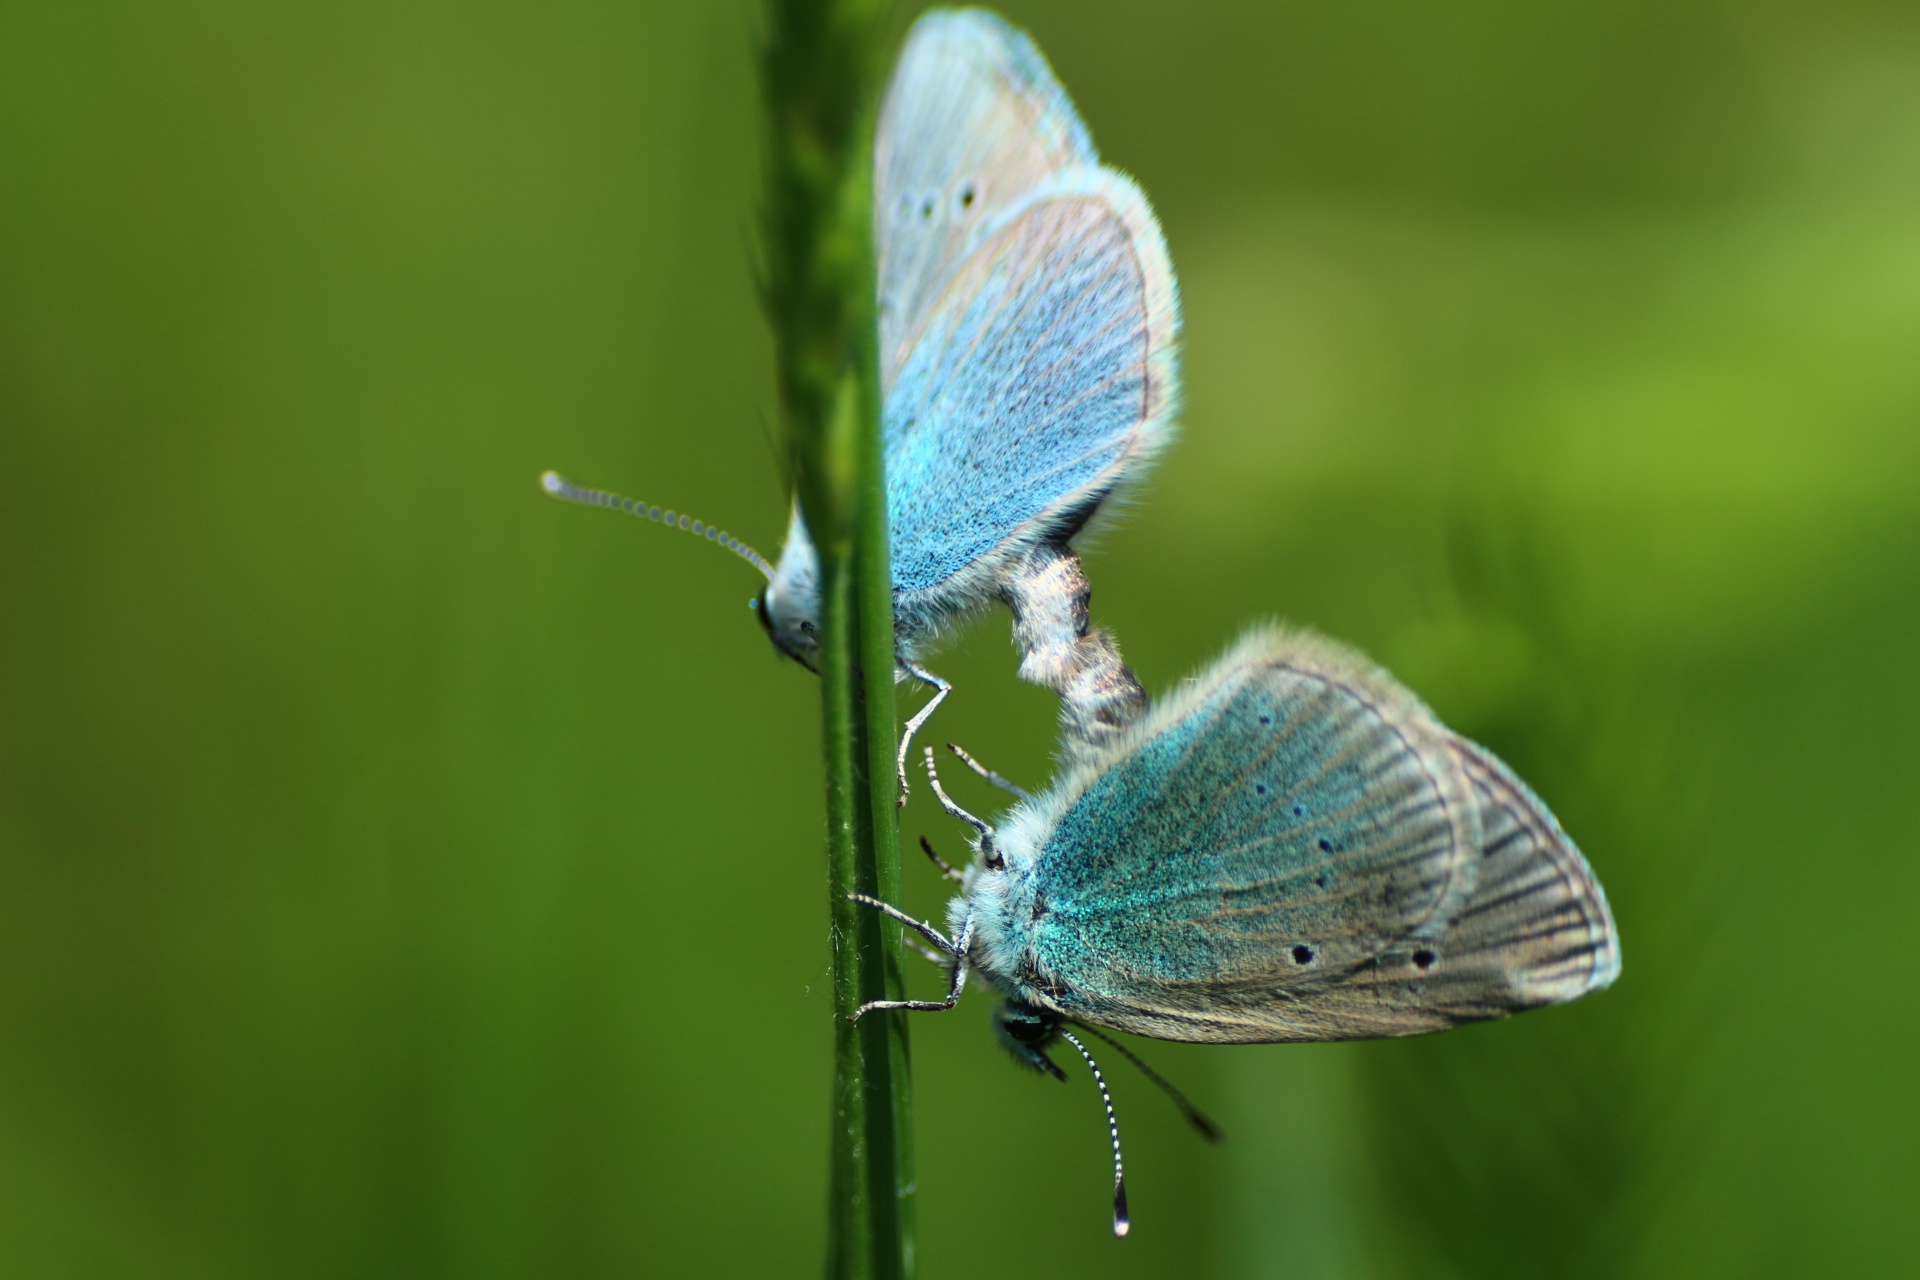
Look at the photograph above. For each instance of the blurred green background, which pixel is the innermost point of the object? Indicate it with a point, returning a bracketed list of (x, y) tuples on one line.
[(403, 875)]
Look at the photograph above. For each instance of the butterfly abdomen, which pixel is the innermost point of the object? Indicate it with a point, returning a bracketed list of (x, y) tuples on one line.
[(1099, 694)]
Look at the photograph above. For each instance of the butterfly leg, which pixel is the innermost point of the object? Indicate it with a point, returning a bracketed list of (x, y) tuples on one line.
[(992, 858), (941, 689), (987, 773), (947, 870), (920, 927), (926, 952), (941, 957), (959, 946)]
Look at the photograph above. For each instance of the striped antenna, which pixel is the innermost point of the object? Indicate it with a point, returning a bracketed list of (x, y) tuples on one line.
[(567, 491), (1197, 1118), (1121, 1222)]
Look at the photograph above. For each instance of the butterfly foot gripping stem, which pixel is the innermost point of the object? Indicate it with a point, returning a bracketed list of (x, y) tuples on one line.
[(941, 689), (955, 947)]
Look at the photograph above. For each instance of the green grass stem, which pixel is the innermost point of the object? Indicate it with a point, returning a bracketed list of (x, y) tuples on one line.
[(822, 65)]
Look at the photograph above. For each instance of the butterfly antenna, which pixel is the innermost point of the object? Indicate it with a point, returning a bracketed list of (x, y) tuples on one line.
[(1121, 1223), (567, 491), (1208, 1129)]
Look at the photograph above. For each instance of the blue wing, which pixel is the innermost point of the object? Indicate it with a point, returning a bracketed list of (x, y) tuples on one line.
[(1293, 848), (1028, 313), (1043, 376)]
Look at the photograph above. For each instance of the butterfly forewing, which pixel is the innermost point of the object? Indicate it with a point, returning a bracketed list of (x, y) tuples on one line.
[(1043, 372), (972, 124), (1287, 821), (1535, 930)]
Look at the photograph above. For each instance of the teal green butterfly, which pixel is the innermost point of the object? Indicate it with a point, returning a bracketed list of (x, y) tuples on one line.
[(1290, 847)]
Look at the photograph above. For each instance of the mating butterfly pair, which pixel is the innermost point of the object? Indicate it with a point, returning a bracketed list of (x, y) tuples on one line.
[(1291, 847)]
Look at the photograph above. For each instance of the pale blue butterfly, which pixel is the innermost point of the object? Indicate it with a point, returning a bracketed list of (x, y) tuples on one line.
[(1028, 316), (1291, 847)]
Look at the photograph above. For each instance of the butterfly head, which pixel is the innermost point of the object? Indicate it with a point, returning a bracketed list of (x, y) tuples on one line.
[(790, 606), (1025, 1032)]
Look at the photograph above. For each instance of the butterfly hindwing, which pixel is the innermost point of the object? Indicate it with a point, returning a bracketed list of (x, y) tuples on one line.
[(1537, 929), (1043, 374)]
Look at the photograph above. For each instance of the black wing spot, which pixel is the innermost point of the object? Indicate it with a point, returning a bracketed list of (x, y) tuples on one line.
[(1260, 788), (966, 196), (1303, 954), (926, 209), (1424, 959), (1299, 811), (1321, 881), (1266, 719), (1326, 845)]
